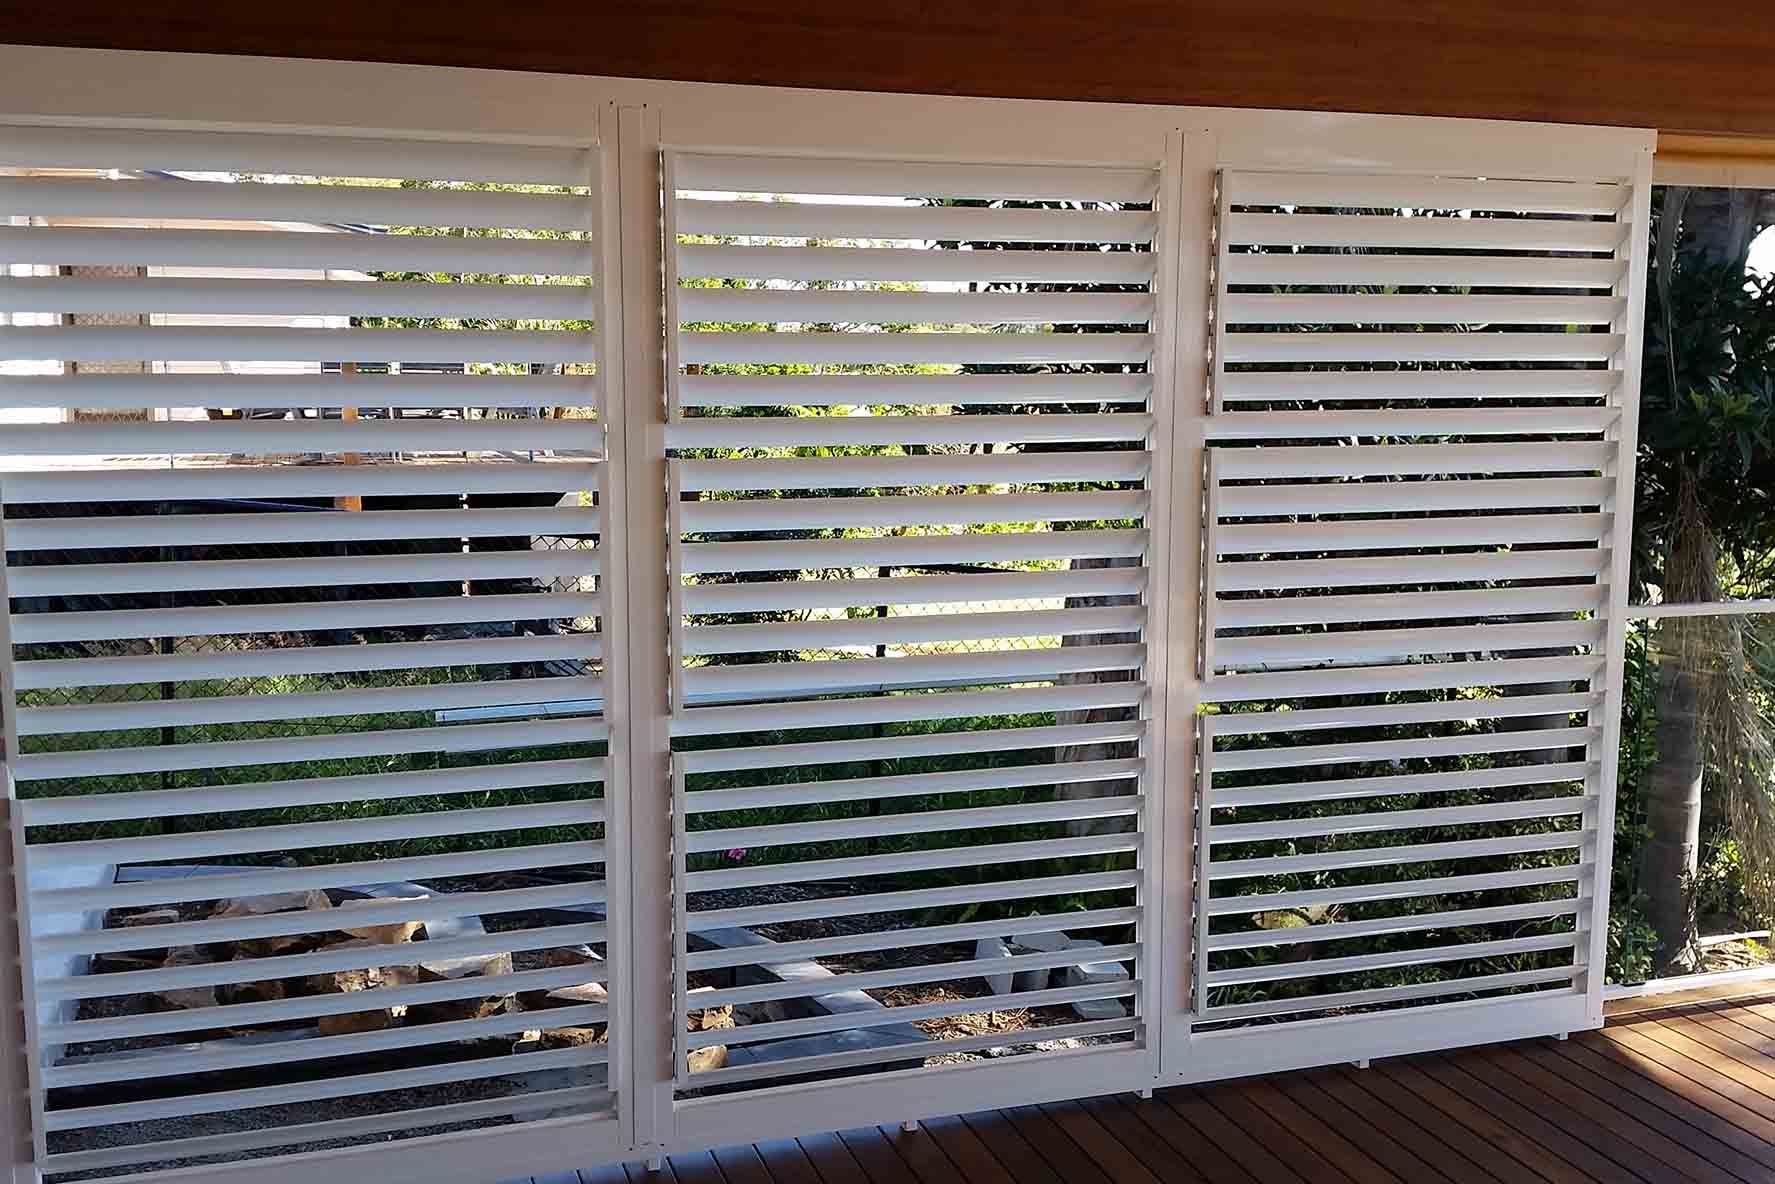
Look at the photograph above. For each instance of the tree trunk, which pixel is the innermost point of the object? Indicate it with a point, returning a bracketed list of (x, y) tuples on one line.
[(1096, 751), (1673, 785), (1673, 815)]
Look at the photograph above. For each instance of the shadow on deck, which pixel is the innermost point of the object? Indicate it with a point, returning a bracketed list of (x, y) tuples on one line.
[(1675, 1088)]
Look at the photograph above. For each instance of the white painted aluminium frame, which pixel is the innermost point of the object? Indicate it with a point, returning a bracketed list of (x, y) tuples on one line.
[(140, 90)]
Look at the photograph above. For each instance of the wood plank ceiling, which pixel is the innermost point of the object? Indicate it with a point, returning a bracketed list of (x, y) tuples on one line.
[(1701, 66)]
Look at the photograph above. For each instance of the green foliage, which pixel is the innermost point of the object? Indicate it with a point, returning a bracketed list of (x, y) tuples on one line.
[(1707, 416)]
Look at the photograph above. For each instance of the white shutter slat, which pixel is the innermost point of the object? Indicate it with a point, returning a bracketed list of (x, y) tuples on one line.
[(1403, 675), (184, 622), (401, 435), (1346, 309), (440, 391), (238, 574), (1410, 570), (852, 472), (1384, 820), (1451, 271), (1409, 993), (1251, 386), (917, 784), (315, 920), (293, 250), (825, 306), (1399, 533), (71, 197), (185, 343), (764, 756), (303, 155), (908, 390), (1357, 715), (261, 645), (1310, 755), (888, 939), (948, 859), (1373, 460), (316, 791), (225, 1101), (839, 431), (740, 639), (1397, 889), (1422, 347), (385, 525), (1356, 788), (1514, 421), (939, 348), (994, 586), (130, 484), (882, 674), (1359, 963), (1413, 853), (226, 297), (938, 510), (894, 550), (1343, 190), (893, 824), (590, 1100), (491, 737), (723, 720), (1344, 646), (1272, 611), (1359, 230), (178, 1064), (1396, 496), (1003, 224), (563, 695), (269, 880), (911, 899), (910, 265), (883, 178), (313, 1006), (1410, 923)]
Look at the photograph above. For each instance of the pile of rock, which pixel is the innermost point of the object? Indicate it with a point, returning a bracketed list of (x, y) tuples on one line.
[(337, 933)]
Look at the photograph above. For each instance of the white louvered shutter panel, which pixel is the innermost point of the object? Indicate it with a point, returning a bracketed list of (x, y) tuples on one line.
[(909, 519), (302, 460), (1411, 521)]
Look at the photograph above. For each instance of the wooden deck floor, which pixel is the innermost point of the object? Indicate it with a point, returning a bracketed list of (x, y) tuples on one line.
[(1677, 1088)]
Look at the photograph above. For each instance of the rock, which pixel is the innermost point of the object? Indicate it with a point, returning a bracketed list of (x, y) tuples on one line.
[(992, 947), (259, 992), (162, 916), (273, 902), (564, 997), (706, 1019), (366, 979), (387, 934), (570, 996), (357, 1021), (701, 1060), (188, 997), (454, 970)]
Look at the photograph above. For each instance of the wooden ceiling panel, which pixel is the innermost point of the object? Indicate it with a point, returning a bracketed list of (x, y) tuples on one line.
[(1702, 66)]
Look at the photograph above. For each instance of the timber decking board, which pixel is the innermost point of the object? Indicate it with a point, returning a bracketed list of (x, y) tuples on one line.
[(1673, 1089)]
